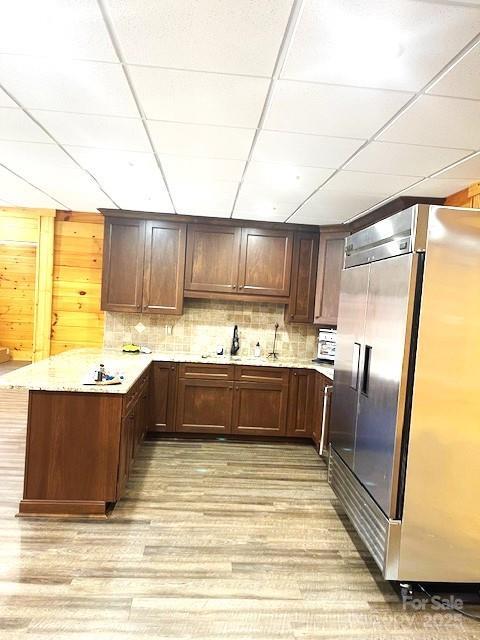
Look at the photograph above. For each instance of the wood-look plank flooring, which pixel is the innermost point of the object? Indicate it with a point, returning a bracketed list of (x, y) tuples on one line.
[(215, 540)]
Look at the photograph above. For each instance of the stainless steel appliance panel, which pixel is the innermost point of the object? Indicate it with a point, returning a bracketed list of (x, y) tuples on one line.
[(350, 332), (384, 361), (441, 518)]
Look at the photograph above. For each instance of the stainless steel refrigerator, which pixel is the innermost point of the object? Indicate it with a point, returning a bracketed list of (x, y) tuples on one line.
[(405, 425)]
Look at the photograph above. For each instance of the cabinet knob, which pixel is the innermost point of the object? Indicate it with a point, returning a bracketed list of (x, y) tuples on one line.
[(234, 286), (240, 287), (292, 316)]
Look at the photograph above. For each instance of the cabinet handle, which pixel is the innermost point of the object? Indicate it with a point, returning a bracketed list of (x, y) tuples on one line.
[(292, 317), (237, 388), (172, 368), (234, 286)]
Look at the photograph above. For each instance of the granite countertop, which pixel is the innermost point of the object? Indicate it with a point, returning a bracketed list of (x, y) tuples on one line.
[(66, 371)]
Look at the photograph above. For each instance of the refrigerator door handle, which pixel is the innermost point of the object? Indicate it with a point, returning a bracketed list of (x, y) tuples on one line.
[(355, 365), (366, 370)]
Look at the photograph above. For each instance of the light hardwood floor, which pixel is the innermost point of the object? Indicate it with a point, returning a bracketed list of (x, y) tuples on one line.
[(214, 541)]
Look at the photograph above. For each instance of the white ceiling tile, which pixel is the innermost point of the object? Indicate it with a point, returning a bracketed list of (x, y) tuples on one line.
[(204, 198), (303, 149), (184, 169), (102, 132), (5, 100), (229, 36), (255, 202), (19, 193), (469, 169), (53, 27), (440, 122), (437, 188), (80, 193), (286, 182), (200, 140), (50, 169), (333, 207), (132, 179), (462, 81), (399, 44), (331, 111), (61, 84), (404, 159), (359, 182), (263, 215), (202, 98), (16, 125)]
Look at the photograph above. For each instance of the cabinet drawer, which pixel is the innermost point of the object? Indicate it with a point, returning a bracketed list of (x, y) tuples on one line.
[(206, 371), (250, 373)]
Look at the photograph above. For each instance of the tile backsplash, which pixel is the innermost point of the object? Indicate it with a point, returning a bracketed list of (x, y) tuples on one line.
[(208, 323)]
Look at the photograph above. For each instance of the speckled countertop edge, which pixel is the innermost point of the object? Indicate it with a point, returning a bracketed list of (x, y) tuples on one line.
[(66, 371)]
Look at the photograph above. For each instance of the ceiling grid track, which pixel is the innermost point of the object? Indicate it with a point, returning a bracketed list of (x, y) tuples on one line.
[(454, 61), (288, 35), (118, 51)]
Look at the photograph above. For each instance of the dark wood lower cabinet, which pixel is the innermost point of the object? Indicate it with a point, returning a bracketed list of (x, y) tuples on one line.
[(163, 382), (301, 402), (260, 408), (80, 446), (204, 406)]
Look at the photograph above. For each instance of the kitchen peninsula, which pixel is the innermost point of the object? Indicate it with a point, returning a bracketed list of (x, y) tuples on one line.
[(81, 440)]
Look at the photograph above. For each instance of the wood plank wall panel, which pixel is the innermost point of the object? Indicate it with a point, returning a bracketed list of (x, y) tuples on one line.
[(17, 295), (469, 197), (77, 320)]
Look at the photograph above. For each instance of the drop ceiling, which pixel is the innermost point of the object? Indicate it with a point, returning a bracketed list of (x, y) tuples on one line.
[(311, 111)]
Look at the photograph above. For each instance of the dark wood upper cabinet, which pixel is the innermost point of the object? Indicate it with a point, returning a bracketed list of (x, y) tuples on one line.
[(164, 267), (265, 262), (123, 257), (212, 258), (330, 265), (304, 276)]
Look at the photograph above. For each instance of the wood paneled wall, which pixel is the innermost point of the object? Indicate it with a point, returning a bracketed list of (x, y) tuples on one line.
[(18, 256), (26, 272), (466, 198), (77, 274), (29, 327)]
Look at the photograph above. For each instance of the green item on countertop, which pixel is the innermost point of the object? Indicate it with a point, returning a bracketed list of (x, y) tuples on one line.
[(131, 348)]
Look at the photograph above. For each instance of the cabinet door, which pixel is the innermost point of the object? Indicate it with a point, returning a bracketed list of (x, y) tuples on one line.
[(164, 267), (162, 395), (126, 447), (260, 408), (265, 262), (123, 255), (330, 264), (212, 258), (318, 403), (204, 406), (304, 276), (300, 403)]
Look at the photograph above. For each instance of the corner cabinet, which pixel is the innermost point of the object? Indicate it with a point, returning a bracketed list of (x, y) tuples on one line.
[(330, 265), (144, 263), (300, 308)]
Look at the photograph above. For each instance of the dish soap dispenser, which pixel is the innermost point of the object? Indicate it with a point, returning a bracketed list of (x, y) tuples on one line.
[(235, 342), (257, 351)]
